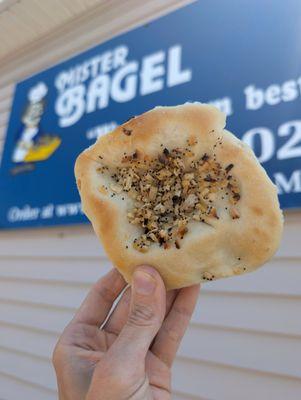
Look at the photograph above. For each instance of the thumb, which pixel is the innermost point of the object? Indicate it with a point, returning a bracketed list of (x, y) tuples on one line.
[(146, 314)]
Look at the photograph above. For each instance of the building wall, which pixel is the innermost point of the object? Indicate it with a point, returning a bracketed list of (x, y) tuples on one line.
[(244, 341)]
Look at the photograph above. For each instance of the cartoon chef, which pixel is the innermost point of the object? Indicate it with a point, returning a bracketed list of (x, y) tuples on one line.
[(30, 146), (31, 120)]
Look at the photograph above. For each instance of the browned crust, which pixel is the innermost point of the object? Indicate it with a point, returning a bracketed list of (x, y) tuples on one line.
[(231, 247)]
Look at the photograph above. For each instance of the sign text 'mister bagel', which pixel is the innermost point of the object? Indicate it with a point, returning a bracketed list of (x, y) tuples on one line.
[(112, 76)]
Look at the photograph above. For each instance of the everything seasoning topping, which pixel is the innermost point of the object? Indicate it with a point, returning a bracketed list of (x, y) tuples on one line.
[(127, 132), (171, 190), (229, 167)]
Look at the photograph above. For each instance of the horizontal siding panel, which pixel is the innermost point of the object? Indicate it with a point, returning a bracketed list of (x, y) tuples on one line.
[(213, 373), (5, 104), (203, 371), (73, 242), (12, 388), (256, 312), (183, 396), (279, 276), (6, 91), (268, 353), (57, 318), (49, 319), (63, 270), (80, 241), (279, 354), (59, 295), (1, 148), (219, 382), (0, 154), (35, 370), (2, 137), (4, 118), (290, 244), (27, 340), (277, 314)]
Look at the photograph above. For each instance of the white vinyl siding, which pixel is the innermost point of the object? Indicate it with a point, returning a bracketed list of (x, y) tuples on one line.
[(244, 341), (245, 332)]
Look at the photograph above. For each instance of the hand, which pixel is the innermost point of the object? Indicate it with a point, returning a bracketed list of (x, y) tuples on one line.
[(130, 357)]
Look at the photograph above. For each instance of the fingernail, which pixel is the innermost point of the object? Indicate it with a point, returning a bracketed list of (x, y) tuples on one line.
[(143, 283)]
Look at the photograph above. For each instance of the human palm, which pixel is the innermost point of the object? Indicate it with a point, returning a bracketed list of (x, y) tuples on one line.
[(130, 357)]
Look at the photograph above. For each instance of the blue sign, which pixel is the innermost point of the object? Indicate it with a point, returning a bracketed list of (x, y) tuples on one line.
[(244, 57)]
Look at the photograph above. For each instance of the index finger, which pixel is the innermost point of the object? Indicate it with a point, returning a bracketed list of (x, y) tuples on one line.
[(100, 299), (174, 326)]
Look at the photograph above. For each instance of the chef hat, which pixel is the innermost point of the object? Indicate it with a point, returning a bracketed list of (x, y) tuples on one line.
[(37, 92)]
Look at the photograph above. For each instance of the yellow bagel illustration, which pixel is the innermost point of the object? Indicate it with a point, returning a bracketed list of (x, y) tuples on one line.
[(43, 150)]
